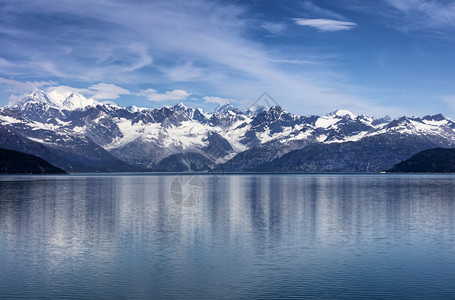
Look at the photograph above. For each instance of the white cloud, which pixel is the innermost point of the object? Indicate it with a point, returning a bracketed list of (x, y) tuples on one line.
[(100, 91), (16, 86), (65, 90), (325, 24), (174, 95), (61, 92), (107, 91), (218, 100), (214, 36), (18, 89), (13, 99)]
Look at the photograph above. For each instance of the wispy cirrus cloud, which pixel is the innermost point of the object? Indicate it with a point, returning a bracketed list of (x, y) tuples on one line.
[(208, 47), (273, 27), (426, 13), (114, 39), (410, 15), (218, 100), (325, 24), (17, 89), (450, 101), (183, 72), (313, 9), (22, 86), (174, 95)]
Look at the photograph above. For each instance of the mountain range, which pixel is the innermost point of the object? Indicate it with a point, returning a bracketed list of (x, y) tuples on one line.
[(83, 135)]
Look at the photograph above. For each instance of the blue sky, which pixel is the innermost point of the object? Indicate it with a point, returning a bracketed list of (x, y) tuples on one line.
[(372, 57)]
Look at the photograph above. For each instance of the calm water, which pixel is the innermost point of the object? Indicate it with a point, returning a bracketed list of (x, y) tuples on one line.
[(211, 237)]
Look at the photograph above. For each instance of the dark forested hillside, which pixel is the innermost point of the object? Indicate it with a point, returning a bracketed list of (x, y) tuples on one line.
[(14, 162), (438, 160)]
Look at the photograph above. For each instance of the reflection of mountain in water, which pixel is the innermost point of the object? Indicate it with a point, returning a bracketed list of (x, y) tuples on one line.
[(293, 235)]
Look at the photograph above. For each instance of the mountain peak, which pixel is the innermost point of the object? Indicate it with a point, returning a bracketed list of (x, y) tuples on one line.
[(179, 139), (438, 117), (225, 108), (276, 108), (256, 109), (387, 118), (180, 106), (341, 113), (381, 120), (36, 96), (76, 100)]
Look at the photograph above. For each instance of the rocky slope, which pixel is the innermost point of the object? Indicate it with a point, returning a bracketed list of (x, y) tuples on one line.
[(83, 135)]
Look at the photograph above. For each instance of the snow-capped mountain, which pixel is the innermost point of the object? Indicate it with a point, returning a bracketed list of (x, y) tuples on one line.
[(68, 100), (80, 134)]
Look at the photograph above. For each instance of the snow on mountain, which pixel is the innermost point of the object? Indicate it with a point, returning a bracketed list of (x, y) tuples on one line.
[(55, 99), (35, 97), (76, 100), (334, 117), (342, 113), (69, 100), (184, 137), (223, 108), (430, 125), (256, 109)]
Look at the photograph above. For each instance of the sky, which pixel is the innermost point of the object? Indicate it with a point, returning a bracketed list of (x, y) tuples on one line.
[(383, 57)]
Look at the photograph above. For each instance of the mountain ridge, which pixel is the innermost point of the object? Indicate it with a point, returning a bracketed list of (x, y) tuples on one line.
[(181, 138)]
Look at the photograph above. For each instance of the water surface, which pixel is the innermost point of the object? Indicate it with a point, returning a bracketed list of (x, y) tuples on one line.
[(212, 237)]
